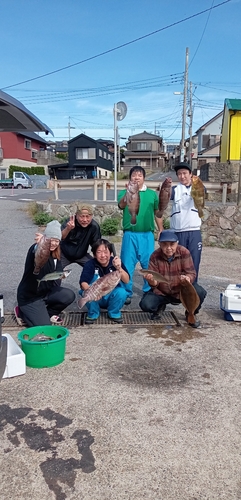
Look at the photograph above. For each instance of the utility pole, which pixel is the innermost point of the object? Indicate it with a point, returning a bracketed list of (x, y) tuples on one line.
[(184, 105), (190, 114), (69, 127)]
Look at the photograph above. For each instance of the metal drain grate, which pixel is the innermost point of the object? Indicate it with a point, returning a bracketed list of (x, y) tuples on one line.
[(75, 319)]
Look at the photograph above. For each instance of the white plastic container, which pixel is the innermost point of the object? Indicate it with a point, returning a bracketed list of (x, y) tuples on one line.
[(232, 298), (16, 364)]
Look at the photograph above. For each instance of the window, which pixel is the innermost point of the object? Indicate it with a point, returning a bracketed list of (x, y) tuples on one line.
[(100, 152), (34, 153), (209, 140), (27, 144), (143, 146), (85, 153)]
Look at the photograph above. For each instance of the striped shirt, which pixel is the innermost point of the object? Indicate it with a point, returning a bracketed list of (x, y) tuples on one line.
[(171, 269)]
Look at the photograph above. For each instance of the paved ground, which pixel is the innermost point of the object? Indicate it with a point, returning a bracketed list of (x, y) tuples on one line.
[(132, 413)]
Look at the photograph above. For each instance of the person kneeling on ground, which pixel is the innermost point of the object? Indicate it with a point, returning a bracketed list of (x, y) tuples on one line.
[(174, 263), (102, 264), (40, 302)]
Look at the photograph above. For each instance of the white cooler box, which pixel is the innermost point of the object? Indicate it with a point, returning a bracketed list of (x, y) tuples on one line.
[(230, 303)]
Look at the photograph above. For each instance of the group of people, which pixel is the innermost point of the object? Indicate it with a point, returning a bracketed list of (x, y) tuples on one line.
[(40, 301)]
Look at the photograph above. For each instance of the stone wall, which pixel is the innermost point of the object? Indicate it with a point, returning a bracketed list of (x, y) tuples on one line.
[(221, 225), (221, 173)]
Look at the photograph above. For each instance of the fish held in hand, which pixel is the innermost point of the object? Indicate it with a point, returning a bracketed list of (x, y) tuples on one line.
[(164, 196), (189, 299), (55, 276), (133, 200), (100, 287), (42, 254), (198, 194), (157, 276)]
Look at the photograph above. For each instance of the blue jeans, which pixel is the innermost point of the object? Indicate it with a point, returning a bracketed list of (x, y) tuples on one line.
[(136, 247), (113, 302)]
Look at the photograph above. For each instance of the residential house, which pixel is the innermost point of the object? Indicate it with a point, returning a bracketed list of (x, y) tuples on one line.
[(231, 131), (208, 139), (87, 158), (145, 150), (20, 149)]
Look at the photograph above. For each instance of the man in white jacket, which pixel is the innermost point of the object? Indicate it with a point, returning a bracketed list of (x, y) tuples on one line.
[(185, 220)]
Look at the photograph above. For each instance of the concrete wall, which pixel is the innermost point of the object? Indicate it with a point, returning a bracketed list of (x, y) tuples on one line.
[(221, 225)]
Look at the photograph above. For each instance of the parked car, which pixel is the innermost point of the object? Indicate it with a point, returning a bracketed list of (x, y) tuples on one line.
[(81, 174), (20, 180)]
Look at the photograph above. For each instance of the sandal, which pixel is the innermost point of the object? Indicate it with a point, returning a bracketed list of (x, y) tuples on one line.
[(56, 320)]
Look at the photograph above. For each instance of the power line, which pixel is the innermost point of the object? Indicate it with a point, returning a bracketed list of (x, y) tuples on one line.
[(205, 27), (118, 47)]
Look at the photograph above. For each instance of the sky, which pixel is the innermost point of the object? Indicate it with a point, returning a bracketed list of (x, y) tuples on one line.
[(70, 61)]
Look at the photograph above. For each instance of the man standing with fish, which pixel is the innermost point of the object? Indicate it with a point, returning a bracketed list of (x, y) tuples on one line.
[(188, 202), (140, 211), (102, 281), (78, 233), (40, 298), (176, 274)]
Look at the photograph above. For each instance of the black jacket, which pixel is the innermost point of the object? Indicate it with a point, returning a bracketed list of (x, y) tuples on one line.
[(29, 289), (76, 244)]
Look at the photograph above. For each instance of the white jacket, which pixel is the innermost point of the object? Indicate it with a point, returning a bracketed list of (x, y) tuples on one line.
[(184, 216)]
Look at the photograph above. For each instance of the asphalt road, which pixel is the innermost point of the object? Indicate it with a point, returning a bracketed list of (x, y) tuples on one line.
[(133, 412)]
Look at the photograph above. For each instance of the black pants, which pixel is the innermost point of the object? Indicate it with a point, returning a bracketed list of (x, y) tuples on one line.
[(151, 302), (39, 312)]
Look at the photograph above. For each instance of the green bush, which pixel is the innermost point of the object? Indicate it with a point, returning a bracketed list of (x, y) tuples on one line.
[(27, 170), (109, 227), (166, 223), (42, 218)]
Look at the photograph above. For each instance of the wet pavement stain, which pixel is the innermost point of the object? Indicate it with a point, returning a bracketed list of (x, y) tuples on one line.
[(179, 334), (151, 372), (42, 438)]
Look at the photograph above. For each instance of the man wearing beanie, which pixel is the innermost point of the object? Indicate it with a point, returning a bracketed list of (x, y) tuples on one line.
[(184, 219), (78, 233), (40, 301)]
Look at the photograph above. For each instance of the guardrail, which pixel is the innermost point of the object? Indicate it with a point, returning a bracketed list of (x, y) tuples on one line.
[(105, 184)]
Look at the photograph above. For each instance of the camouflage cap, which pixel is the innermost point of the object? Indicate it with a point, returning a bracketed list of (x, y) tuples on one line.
[(84, 206)]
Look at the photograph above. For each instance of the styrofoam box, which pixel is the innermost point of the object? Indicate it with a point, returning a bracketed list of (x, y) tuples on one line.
[(232, 298), (16, 364)]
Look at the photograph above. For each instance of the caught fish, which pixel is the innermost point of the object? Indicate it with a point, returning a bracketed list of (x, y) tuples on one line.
[(42, 254), (164, 196), (99, 288), (41, 338), (133, 200), (158, 277), (198, 194), (189, 299), (55, 276)]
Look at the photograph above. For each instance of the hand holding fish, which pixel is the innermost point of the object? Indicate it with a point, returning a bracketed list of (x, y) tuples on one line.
[(184, 277), (117, 263), (38, 237), (151, 280)]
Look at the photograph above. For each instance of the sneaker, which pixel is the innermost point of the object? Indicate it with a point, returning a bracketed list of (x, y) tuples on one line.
[(158, 314), (128, 301), (19, 320), (89, 321), (116, 320), (56, 320), (196, 324)]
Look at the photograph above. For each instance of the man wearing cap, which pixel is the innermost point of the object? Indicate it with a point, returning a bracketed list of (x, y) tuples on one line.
[(185, 220), (78, 233), (175, 264)]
